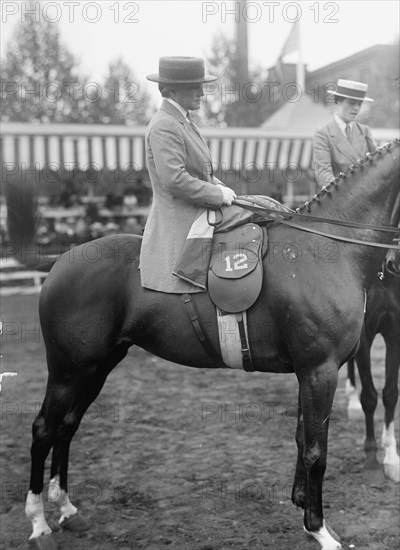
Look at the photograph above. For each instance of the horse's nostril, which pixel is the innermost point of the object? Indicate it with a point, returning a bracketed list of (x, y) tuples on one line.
[(393, 267)]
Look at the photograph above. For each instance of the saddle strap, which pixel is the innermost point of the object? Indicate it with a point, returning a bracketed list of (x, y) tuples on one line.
[(194, 318), (244, 343)]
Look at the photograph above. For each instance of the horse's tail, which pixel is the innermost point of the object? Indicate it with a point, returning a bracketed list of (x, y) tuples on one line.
[(22, 221)]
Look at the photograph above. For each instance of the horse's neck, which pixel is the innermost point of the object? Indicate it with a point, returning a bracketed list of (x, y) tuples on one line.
[(369, 195), (368, 200)]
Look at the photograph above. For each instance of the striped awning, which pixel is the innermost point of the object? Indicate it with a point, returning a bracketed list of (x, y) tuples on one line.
[(260, 153), (72, 146), (51, 146)]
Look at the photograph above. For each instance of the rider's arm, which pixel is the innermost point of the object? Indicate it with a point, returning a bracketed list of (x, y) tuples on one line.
[(322, 158), (170, 157)]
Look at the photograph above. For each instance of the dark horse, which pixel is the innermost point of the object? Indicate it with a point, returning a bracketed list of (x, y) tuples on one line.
[(314, 301), (382, 317)]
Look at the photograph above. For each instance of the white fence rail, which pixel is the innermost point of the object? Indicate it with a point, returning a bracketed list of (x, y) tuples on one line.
[(14, 279)]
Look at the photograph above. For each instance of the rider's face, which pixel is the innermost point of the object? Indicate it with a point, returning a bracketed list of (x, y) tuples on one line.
[(348, 109), (189, 97)]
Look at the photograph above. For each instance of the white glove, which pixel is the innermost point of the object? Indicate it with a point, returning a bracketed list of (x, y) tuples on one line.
[(228, 195)]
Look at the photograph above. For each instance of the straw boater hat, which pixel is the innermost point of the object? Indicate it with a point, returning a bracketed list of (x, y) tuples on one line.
[(351, 89), (181, 70)]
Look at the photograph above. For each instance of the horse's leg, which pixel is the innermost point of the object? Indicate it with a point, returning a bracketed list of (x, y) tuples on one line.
[(391, 460), (354, 408), (58, 488), (317, 390), (369, 400), (300, 477), (68, 395), (56, 403)]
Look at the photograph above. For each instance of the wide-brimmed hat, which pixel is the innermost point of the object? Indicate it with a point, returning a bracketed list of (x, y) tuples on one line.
[(181, 70), (351, 89)]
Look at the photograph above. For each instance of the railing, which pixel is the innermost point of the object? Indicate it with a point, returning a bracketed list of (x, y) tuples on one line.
[(108, 146), (16, 279)]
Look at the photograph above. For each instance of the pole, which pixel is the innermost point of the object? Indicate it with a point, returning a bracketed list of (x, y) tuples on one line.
[(300, 72), (242, 50)]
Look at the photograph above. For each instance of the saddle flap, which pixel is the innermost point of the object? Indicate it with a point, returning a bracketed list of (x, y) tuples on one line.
[(235, 274), (236, 253), (235, 295)]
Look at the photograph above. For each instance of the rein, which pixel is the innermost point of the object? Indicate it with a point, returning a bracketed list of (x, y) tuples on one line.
[(284, 216)]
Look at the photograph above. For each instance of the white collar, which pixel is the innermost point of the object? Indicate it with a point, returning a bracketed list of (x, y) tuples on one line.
[(177, 106), (342, 124)]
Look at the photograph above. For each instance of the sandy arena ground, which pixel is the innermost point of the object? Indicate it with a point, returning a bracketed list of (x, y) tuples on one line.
[(188, 459)]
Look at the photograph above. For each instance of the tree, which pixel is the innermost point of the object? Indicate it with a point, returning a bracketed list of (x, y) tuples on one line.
[(230, 101), (40, 81), (39, 76), (121, 99)]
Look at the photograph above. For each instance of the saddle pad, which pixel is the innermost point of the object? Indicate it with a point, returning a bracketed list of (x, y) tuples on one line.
[(229, 339), (235, 274)]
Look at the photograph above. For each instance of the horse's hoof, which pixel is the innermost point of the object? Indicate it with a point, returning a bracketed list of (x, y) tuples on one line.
[(75, 523), (326, 538), (332, 532), (44, 542), (392, 472)]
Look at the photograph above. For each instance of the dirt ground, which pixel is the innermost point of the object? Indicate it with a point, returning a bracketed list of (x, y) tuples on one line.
[(183, 458)]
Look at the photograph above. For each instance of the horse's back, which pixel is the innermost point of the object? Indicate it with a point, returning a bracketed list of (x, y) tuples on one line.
[(100, 258)]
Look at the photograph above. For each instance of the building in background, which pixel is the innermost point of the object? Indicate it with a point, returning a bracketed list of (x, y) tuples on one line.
[(378, 66)]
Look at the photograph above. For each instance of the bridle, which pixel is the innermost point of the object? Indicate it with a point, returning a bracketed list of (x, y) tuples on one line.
[(284, 215)]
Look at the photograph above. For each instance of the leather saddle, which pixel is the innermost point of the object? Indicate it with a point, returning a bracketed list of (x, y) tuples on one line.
[(235, 274)]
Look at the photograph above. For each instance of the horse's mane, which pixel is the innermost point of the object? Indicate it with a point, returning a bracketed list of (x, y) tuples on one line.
[(351, 170)]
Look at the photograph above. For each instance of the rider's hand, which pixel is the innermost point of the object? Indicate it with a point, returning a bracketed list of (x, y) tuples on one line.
[(228, 194)]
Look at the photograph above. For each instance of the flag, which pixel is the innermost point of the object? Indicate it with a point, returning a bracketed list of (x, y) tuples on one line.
[(292, 43), (192, 265)]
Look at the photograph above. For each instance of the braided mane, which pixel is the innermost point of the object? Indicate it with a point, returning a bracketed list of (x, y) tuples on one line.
[(327, 190)]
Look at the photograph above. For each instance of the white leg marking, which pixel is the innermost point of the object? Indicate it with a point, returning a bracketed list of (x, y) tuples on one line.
[(391, 460), (34, 509), (325, 539), (354, 408), (60, 497)]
